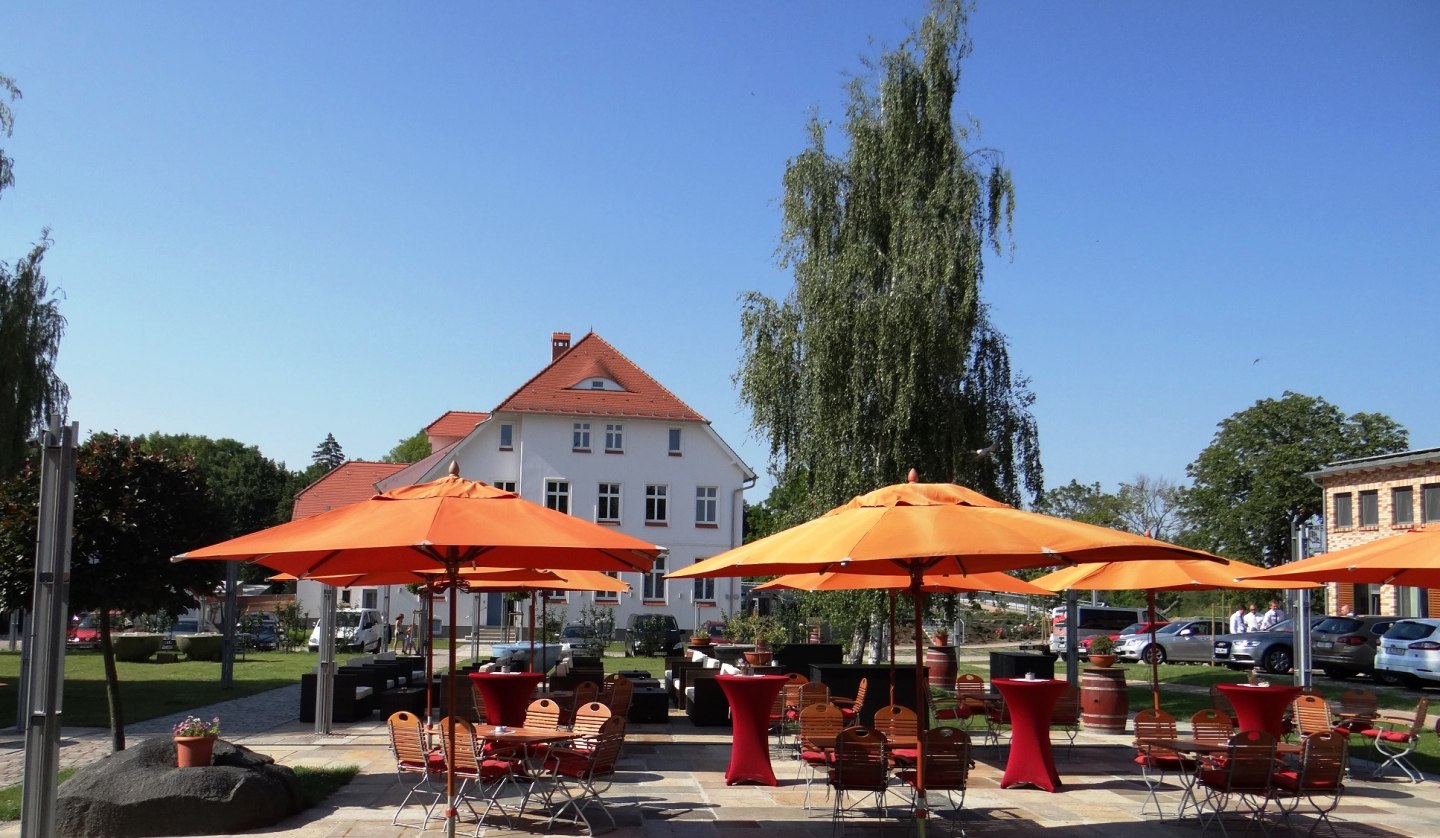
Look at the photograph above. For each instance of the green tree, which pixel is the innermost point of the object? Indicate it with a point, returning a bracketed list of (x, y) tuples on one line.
[(409, 450), (1080, 502), (30, 332), (133, 511), (883, 357), (246, 486), (328, 454), (1250, 485)]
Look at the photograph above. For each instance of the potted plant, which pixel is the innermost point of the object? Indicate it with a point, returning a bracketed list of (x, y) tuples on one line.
[(1102, 651), (766, 630), (195, 741), (941, 637), (699, 638)]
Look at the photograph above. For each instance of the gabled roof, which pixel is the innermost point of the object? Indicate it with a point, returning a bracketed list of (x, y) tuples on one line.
[(456, 423), (563, 387), (415, 472), (346, 484)]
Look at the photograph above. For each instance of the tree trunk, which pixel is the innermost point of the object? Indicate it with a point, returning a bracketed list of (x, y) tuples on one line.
[(112, 684)]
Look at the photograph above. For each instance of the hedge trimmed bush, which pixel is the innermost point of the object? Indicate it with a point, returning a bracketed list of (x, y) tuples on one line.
[(135, 646), (200, 647)]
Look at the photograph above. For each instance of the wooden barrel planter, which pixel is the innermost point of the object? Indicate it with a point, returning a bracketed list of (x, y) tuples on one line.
[(1104, 700), (940, 663)]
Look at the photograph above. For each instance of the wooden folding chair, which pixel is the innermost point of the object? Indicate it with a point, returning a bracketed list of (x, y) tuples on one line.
[(858, 766), (415, 763), (1211, 726), (898, 723), (1395, 741), (583, 775), (1244, 777), (487, 774), (1320, 779), (1310, 714), (819, 724), (1065, 716), (850, 707), (947, 763), (1155, 760)]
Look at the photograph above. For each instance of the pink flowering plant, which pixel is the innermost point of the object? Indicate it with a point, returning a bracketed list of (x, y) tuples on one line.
[(194, 726)]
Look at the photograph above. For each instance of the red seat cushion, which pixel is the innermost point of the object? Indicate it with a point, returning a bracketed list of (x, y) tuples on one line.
[(953, 713), (814, 757), (1289, 780), (908, 755), (847, 712), (1387, 735)]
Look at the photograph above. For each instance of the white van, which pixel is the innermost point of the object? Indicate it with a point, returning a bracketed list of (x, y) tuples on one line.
[(356, 630), (1094, 619)]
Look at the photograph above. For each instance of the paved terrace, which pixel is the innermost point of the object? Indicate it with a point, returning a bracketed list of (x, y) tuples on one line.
[(672, 783)]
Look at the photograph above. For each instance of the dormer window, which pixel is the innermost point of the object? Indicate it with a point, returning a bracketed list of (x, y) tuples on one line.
[(597, 384)]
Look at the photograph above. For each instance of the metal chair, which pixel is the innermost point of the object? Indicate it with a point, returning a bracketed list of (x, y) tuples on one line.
[(1157, 724), (1310, 715), (819, 723), (1065, 716), (1211, 726), (850, 707), (1320, 779), (473, 767), (1355, 710), (583, 775), (898, 723), (415, 759), (1395, 741), (967, 703), (947, 764), (1244, 776), (859, 766), (617, 696)]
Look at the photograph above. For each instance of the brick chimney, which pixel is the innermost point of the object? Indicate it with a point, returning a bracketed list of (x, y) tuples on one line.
[(559, 344)]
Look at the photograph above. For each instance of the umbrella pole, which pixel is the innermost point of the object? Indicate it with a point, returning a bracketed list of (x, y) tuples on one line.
[(1154, 664), (420, 638), (451, 812), (922, 706), (892, 647), (532, 630)]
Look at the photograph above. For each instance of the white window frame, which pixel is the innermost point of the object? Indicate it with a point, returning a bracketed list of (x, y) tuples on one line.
[(614, 437), (505, 485), (652, 584), (657, 505), (609, 597), (607, 494), (675, 441), (707, 506), (580, 437), (507, 436), (557, 495), (705, 590)]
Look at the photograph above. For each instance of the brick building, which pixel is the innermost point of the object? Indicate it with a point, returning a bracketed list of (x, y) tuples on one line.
[(1375, 497)]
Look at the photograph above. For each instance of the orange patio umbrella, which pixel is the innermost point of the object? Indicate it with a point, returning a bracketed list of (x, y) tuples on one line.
[(1151, 576), (445, 525), (918, 528), (1411, 558)]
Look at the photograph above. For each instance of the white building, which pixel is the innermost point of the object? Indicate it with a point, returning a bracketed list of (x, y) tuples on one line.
[(595, 436)]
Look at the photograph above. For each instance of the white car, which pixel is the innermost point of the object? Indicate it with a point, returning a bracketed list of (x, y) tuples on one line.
[(1410, 651)]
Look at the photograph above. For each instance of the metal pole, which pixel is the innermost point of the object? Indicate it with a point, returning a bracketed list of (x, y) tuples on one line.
[(325, 672), (229, 616), (1302, 613), (46, 642), (1072, 637)]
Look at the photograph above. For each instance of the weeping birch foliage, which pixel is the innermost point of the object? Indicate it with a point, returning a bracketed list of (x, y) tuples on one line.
[(883, 357)]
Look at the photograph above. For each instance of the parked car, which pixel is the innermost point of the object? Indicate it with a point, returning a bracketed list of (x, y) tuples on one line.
[(82, 633), (180, 627), (1272, 650), (1343, 647), (265, 638), (577, 638), (1188, 639), (1410, 651), (1093, 620), (356, 629), (1133, 628), (665, 624)]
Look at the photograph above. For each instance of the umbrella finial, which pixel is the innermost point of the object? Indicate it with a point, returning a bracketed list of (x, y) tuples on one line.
[(914, 476), (454, 469)]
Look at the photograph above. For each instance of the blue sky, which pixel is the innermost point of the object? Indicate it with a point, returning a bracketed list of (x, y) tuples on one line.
[(276, 221)]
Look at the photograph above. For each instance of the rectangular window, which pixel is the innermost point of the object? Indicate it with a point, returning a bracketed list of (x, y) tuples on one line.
[(704, 590), (653, 585), (507, 437), (1430, 503), (580, 440), (614, 438), (657, 507), (504, 485), (1370, 508), (1402, 506), (608, 596), (557, 495), (674, 442), (554, 596), (370, 598), (1344, 515), (607, 508), (705, 505)]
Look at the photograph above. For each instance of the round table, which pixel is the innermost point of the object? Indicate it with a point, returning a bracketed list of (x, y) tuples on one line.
[(1030, 704), (1260, 708), (750, 697), (506, 694)]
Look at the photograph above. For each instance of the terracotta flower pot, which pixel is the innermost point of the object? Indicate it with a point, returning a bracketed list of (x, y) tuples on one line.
[(759, 658), (1102, 661), (194, 751), (700, 641)]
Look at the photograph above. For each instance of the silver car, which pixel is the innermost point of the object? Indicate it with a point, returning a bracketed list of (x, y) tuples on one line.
[(1186, 639)]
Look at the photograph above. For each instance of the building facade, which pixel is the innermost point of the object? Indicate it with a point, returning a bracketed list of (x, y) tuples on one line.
[(1376, 497), (595, 436)]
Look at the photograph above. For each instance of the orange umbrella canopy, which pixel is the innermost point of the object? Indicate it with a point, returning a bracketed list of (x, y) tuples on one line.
[(1411, 558), (1161, 575), (472, 576), (933, 527), (938, 583), (432, 526)]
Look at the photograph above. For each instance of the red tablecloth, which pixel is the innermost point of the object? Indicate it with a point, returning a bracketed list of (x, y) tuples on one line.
[(1260, 708), (1030, 704), (750, 697), (507, 695)]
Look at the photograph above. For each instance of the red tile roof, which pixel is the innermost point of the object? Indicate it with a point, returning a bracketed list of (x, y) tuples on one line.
[(349, 483), (559, 388), (456, 423)]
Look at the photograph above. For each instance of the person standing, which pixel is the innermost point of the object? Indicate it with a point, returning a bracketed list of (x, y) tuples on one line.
[(1252, 618), (1273, 617), (397, 639), (1237, 620)]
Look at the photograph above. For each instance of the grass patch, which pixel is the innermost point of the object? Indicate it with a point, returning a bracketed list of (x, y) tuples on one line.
[(11, 796), (316, 784)]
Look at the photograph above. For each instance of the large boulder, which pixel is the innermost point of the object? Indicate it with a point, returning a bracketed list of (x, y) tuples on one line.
[(140, 792)]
